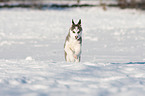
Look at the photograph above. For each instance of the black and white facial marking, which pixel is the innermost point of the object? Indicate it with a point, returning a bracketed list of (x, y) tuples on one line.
[(73, 43), (76, 30)]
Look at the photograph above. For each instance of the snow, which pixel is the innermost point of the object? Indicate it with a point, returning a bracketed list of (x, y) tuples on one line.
[(32, 57)]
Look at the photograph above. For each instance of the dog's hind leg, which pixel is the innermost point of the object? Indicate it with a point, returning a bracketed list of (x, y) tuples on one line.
[(70, 58), (77, 59)]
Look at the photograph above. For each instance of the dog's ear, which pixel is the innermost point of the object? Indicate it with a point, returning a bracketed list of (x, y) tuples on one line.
[(79, 23), (73, 23)]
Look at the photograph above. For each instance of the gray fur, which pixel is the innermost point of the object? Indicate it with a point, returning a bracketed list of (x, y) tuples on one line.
[(80, 39), (67, 39), (76, 25)]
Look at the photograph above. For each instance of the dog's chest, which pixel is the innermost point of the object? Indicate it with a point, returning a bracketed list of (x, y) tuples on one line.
[(73, 44)]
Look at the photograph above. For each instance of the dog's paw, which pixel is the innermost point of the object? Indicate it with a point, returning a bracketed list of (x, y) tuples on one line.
[(75, 56)]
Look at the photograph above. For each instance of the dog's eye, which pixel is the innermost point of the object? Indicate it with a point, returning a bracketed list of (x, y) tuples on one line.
[(73, 31), (78, 32)]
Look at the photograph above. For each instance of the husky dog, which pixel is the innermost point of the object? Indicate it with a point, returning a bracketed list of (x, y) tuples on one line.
[(73, 43)]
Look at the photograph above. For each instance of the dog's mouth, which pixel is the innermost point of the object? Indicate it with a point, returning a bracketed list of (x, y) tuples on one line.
[(76, 37)]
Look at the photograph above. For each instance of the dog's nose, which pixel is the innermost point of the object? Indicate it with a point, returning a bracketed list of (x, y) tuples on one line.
[(76, 37)]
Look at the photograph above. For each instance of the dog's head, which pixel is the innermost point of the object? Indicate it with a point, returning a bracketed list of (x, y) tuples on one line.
[(76, 30)]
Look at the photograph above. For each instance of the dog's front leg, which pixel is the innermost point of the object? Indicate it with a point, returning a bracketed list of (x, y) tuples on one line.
[(70, 54), (77, 53)]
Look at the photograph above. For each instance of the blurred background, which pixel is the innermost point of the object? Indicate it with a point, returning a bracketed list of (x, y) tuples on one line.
[(72, 3)]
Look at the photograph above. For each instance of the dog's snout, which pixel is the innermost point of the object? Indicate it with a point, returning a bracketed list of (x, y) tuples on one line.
[(76, 37)]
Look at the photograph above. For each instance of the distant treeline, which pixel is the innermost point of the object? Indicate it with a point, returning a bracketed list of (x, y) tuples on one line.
[(131, 4), (38, 3)]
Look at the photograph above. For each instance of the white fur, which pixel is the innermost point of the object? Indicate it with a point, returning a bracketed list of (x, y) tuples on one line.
[(72, 48)]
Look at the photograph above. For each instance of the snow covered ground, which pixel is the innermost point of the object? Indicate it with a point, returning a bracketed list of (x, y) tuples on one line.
[(32, 58)]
